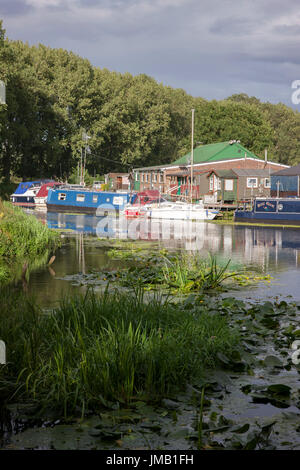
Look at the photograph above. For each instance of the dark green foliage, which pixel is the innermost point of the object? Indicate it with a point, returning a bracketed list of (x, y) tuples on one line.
[(53, 96)]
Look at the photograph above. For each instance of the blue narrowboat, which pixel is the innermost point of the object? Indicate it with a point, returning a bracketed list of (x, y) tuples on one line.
[(85, 201), (25, 193), (283, 211)]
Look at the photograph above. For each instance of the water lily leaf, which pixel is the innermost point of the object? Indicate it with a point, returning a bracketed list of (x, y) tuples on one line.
[(272, 361), (266, 430), (279, 389), (240, 429)]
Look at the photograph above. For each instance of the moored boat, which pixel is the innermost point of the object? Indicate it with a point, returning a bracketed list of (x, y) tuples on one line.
[(284, 211), (138, 201), (41, 196), (180, 211), (25, 193), (85, 201)]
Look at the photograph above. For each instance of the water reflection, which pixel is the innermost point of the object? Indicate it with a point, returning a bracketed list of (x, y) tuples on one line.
[(264, 246), (271, 249)]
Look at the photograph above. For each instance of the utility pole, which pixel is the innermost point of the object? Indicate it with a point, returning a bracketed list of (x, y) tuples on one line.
[(192, 155)]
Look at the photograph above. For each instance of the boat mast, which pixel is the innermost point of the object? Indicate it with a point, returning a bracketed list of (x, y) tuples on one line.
[(192, 155)]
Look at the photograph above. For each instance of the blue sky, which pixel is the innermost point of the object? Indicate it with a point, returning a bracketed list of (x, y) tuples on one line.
[(209, 48)]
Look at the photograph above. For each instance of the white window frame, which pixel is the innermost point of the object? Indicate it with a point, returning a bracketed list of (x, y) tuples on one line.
[(62, 196), (80, 197), (230, 183), (211, 183), (252, 185), (268, 186)]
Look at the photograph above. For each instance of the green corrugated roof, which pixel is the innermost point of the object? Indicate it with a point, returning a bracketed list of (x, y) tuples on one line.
[(216, 152)]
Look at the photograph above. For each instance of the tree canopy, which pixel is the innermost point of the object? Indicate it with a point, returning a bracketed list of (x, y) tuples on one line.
[(54, 98)]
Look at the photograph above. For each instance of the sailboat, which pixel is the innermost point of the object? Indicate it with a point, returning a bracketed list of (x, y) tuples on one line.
[(181, 210)]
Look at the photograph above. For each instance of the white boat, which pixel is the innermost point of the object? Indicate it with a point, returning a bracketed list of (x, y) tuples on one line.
[(179, 211), (140, 200)]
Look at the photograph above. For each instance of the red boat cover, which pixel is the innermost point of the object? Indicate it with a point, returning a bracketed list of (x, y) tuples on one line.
[(144, 197), (43, 192)]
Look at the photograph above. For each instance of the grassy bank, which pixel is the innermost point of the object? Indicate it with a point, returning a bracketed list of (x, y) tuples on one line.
[(23, 239), (95, 350)]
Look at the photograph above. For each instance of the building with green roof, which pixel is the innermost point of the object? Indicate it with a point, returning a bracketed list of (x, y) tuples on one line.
[(175, 178)]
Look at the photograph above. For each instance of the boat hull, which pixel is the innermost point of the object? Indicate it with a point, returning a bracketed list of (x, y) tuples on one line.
[(86, 202), (79, 210), (167, 214), (262, 219), (279, 211)]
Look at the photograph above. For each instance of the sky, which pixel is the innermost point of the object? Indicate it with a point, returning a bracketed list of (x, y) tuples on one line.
[(209, 48)]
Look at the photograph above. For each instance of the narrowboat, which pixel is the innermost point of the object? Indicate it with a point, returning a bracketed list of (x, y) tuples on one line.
[(25, 193), (283, 211), (85, 201)]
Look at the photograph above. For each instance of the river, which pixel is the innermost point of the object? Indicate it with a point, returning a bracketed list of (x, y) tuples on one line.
[(270, 250)]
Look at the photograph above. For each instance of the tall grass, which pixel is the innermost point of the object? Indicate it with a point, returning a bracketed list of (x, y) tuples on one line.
[(22, 235), (96, 350)]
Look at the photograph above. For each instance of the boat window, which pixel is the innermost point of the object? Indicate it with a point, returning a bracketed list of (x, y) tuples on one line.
[(95, 198), (61, 196), (80, 197)]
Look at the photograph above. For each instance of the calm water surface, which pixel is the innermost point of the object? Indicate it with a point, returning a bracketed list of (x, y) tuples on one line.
[(271, 250)]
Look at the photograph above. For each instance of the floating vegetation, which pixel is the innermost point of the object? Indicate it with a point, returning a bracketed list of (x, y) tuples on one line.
[(175, 273)]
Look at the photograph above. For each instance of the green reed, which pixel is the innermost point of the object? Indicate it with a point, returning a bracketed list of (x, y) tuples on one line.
[(95, 350)]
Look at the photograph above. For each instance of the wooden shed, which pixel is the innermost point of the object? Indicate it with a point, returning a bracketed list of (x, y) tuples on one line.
[(253, 182), (220, 186)]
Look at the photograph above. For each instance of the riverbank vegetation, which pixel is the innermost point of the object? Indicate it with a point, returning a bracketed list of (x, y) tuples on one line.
[(54, 95), (94, 351), (137, 372), (23, 240)]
